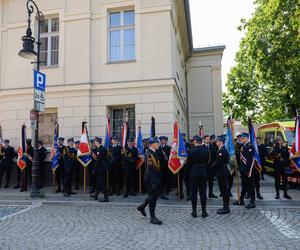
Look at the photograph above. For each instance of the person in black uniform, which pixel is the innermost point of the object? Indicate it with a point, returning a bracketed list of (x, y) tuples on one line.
[(8, 153), (262, 149), (42, 156), (77, 167), (198, 160), (28, 170), (59, 172), (211, 174), (69, 156), (246, 161), (222, 172), (129, 156), (115, 166), (92, 167), (101, 168), (152, 180), (281, 157), (164, 154)]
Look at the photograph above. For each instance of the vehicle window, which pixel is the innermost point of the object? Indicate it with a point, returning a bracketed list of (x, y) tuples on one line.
[(290, 135), (269, 138), (279, 134)]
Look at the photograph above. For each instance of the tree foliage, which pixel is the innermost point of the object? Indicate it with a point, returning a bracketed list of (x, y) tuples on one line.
[(266, 78)]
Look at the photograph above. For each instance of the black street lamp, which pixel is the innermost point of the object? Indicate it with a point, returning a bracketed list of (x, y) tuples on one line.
[(28, 52)]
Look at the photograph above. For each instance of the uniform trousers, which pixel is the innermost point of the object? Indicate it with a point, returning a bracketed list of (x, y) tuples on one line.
[(198, 184)]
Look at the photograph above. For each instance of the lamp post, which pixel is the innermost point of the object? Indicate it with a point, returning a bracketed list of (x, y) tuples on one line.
[(28, 52)]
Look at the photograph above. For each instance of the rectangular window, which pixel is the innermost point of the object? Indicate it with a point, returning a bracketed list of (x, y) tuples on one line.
[(49, 42), (118, 116), (46, 126), (121, 36)]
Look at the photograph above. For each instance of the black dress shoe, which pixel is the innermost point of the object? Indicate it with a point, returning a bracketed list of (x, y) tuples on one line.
[(6, 186), (258, 196), (105, 199), (95, 197), (132, 194), (141, 209), (277, 196), (188, 197), (237, 203), (204, 214), (223, 211), (58, 191), (194, 213), (67, 195), (155, 221), (92, 191), (17, 186), (72, 192), (125, 195), (287, 196), (111, 193), (164, 197), (250, 205), (212, 196), (220, 195)]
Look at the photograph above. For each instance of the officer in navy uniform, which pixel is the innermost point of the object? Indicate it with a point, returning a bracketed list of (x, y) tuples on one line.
[(77, 167), (59, 172), (115, 166), (129, 156), (92, 167), (222, 173), (69, 156), (42, 153), (246, 159), (8, 153), (281, 155), (101, 168), (164, 154), (28, 170), (262, 149), (152, 180), (198, 161)]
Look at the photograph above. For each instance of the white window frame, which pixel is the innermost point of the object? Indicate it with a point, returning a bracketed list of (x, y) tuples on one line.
[(121, 28), (49, 35)]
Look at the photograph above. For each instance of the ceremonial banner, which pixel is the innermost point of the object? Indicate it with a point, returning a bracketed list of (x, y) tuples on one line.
[(152, 128), (107, 134), (201, 131), (84, 151), (256, 159), (229, 144), (140, 148), (124, 133), (55, 150), (178, 153), (295, 152), (22, 156)]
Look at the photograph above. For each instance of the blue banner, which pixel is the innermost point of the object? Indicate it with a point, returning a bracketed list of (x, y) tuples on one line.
[(252, 136), (55, 151)]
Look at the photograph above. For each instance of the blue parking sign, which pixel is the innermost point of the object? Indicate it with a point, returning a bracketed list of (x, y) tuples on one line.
[(39, 81)]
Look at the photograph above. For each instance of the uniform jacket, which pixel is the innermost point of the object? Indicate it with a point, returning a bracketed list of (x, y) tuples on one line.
[(238, 147), (198, 161), (101, 164), (61, 155), (164, 153), (221, 162), (42, 154), (130, 156), (262, 149), (8, 155), (115, 156), (153, 171), (281, 156), (69, 156), (246, 159)]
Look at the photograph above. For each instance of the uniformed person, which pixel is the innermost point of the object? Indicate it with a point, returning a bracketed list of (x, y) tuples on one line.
[(69, 156), (281, 155), (210, 170), (129, 157), (246, 171), (92, 167), (164, 154), (262, 149), (42, 153), (153, 180), (115, 166), (77, 167), (198, 160), (8, 153), (59, 172), (28, 170), (222, 172), (101, 168)]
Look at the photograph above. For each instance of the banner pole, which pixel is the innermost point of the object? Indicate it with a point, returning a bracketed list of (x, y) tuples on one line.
[(178, 186), (84, 179), (140, 179)]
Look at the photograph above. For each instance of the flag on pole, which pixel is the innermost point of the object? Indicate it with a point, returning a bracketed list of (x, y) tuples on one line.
[(55, 150), (22, 156), (229, 144), (124, 134), (178, 153), (152, 128), (140, 148), (201, 130), (256, 159), (84, 153), (107, 134), (295, 152)]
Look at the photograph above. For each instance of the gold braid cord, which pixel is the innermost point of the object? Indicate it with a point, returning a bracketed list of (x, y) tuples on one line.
[(155, 162)]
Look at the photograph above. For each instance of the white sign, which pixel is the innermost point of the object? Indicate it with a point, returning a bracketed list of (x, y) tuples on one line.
[(39, 96)]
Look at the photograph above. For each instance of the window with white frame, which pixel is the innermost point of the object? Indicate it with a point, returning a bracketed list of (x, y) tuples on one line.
[(49, 42), (121, 36)]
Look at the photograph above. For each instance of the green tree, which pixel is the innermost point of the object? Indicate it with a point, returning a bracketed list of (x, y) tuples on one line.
[(266, 78)]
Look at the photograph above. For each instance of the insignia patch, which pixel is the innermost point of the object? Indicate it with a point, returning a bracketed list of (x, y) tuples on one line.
[(220, 154)]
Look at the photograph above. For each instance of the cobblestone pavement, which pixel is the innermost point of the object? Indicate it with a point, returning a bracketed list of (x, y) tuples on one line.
[(79, 223)]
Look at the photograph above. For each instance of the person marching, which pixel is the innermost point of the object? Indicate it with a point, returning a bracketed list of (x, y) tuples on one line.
[(115, 165), (101, 168), (59, 173), (153, 180), (198, 160), (69, 156), (246, 161), (130, 156), (222, 173), (281, 156)]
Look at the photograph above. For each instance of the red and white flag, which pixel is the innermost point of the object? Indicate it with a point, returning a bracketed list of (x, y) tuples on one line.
[(84, 146), (124, 134)]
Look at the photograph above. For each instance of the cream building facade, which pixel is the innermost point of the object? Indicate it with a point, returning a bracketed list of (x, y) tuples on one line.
[(130, 59)]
